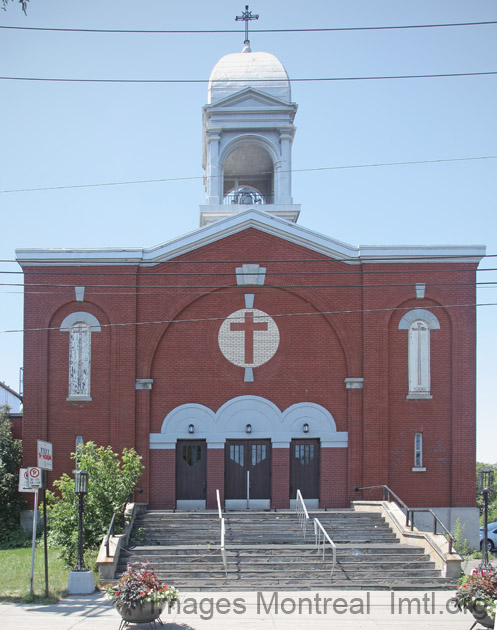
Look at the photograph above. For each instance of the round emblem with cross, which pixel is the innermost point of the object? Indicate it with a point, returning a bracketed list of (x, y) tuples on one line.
[(249, 337)]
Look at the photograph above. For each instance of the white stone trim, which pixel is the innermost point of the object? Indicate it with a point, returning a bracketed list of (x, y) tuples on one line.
[(79, 293), (340, 442), (264, 222), (310, 504), (419, 469), (144, 383), (419, 313), (251, 274), (231, 419), (190, 504), (354, 383), (420, 290), (80, 317), (253, 504), (157, 444), (216, 445)]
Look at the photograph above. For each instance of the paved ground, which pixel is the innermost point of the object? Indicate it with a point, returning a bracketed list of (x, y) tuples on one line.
[(416, 610), (354, 610)]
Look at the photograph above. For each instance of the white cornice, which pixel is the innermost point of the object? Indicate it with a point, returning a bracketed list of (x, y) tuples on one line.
[(237, 100), (259, 220)]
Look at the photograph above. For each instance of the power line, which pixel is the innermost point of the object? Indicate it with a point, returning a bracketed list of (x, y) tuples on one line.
[(226, 290), (159, 274), (255, 81), (298, 170), (243, 289), (274, 316), (261, 30)]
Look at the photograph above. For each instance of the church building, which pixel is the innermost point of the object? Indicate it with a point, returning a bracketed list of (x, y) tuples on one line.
[(255, 356)]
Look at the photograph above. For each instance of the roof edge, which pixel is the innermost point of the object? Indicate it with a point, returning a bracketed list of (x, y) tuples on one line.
[(258, 219)]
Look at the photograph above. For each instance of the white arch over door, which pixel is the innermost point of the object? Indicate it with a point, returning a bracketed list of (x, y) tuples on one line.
[(266, 421)]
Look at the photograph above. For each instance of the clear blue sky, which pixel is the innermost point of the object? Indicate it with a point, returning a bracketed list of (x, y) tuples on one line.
[(54, 134)]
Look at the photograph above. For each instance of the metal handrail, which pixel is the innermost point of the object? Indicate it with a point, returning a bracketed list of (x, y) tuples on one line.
[(302, 513), (110, 531), (122, 514), (223, 532), (321, 537), (388, 494), (219, 511)]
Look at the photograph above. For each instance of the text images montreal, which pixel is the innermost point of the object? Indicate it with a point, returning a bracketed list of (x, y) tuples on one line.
[(277, 603)]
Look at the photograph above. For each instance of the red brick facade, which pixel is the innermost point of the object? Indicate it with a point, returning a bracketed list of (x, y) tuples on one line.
[(336, 321)]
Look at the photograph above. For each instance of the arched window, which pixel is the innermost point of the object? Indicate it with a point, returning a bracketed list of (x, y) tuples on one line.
[(80, 326), (79, 360), (419, 322)]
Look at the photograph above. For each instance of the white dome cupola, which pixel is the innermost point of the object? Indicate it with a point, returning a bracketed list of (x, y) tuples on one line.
[(238, 71), (248, 133)]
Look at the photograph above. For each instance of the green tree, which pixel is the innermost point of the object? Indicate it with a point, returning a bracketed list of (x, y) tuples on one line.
[(111, 479), (11, 501), (492, 497)]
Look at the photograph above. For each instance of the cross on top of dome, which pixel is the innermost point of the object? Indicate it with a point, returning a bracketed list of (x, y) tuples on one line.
[(246, 16)]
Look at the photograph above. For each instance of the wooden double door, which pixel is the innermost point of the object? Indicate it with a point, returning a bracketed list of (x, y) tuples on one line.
[(248, 470)]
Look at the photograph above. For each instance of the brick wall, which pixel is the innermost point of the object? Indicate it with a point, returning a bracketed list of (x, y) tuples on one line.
[(335, 340)]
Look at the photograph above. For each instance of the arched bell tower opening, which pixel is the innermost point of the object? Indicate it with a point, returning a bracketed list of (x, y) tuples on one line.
[(248, 176), (248, 133)]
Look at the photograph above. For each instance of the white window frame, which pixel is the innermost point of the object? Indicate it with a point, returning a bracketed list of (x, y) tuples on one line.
[(419, 323), (80, 326), (418, 453)]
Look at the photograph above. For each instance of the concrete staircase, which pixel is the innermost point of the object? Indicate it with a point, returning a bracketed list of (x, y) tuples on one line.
[(267, 551)]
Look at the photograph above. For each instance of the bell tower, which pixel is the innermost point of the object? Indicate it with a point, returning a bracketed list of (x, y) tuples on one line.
[(247, 136)]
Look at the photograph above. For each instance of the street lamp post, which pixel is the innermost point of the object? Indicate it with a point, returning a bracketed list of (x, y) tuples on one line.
[(81, 489), (81, 581), (486, 482)]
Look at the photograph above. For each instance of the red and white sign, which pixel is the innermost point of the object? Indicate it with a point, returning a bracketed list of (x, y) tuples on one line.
[(45, 455), (35, 477), (24, 482)]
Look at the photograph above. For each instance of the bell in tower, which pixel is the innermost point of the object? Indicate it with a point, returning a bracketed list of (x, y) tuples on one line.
[(247, 139)]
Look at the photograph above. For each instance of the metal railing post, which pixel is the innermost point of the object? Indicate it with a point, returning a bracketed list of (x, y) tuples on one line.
[(248, 488), (223, 533)]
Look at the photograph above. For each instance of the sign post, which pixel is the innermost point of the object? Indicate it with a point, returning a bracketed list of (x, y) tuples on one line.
[(45, 462), (35, 478)]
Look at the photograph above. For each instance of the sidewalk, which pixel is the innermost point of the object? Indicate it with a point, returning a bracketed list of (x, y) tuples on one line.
[(416, 610)]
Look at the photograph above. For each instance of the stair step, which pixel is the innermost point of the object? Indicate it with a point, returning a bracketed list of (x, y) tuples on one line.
[(267, 550)]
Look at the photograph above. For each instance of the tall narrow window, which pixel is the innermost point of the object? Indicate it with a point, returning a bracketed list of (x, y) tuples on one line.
[(80, 327), (419, 357), (418, 450), (419, 323), (79, 360)]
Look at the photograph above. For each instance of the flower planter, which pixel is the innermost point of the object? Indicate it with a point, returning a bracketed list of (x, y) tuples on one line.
[(140, 596), (480, 614), (143, 613)]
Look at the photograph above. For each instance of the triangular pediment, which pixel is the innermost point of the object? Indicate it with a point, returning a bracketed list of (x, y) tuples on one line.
[(250, 98), (251, 219)]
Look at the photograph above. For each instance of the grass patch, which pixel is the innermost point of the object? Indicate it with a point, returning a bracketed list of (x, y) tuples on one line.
[(15, 573)]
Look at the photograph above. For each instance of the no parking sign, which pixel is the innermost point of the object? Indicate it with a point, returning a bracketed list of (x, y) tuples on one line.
[(24, 482), (35, 477)]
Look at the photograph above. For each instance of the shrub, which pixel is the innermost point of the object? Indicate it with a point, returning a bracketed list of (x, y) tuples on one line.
[(11, 502), (461, 543), (111, 479)]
